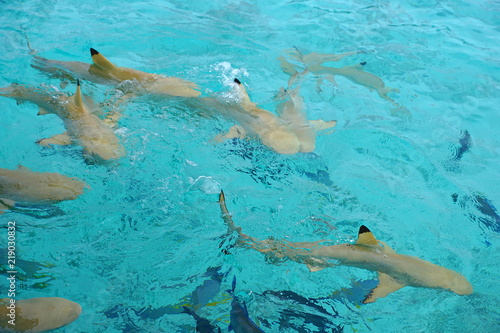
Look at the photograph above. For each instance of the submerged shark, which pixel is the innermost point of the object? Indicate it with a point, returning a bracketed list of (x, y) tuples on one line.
[(289, 132), (355, 73), (103, 71), (395, 271), (83, 128), (38, 314), (36, 188)]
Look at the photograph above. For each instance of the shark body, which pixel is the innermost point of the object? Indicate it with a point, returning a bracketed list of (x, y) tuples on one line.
[(83, 128), (36, 188), (395, 270), (103, 71), (38, 314)]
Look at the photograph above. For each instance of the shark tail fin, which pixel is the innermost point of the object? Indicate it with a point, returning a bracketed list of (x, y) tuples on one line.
[(365, 237), (100, 61)]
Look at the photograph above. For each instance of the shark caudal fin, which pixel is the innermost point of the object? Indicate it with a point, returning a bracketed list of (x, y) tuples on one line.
[(100, 61)]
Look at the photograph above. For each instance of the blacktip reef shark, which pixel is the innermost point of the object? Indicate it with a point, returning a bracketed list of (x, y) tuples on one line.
[(95, 136), (40, 314), (355, 73), (395, 271), (103, 71), (36, 188), (289, 132)]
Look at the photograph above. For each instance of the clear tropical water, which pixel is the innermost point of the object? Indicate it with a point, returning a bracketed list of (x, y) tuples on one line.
[(148, 231)]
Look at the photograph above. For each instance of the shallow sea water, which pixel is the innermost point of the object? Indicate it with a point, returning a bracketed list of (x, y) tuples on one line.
[(148, 231)]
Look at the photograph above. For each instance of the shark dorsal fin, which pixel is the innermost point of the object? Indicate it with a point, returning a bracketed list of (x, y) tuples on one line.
[(100, 61), (242, 94), (365, 237), (78, 95), (386, 285)]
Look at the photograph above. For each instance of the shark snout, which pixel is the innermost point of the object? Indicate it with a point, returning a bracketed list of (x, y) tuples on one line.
[(461, 286)]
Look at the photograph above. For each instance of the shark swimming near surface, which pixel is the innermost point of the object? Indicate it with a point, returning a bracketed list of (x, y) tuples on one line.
[(103, 71), (395, 271), (95, 136), (36, 188), (40, 314), (313, 63)]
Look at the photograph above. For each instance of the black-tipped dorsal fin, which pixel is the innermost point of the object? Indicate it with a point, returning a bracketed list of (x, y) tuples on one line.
[(242, 94), (100, 61), (78, 95), (365, 237)]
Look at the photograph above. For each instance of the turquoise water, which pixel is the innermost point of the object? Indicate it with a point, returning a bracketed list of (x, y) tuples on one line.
[(148, 229)]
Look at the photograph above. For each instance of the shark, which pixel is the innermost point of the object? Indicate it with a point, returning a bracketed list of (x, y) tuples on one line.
[(394, 270), (103, 71), (39, 314), (36, 188), (355, 73), (267, 126), (288, 132), (96, 137)]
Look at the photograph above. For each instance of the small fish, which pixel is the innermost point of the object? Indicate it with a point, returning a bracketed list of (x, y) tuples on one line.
[(465, 143), (490, 218), (202, 324), (240, 321)]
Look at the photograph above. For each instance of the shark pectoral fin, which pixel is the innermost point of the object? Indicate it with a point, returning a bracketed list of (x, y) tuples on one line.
[(42, 111), (286, 66), (100, 61), (385, 286), (321, 125), (63, 84), (313, 268), (62, 139), (315, 264), (6, 204), (235, 132)]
